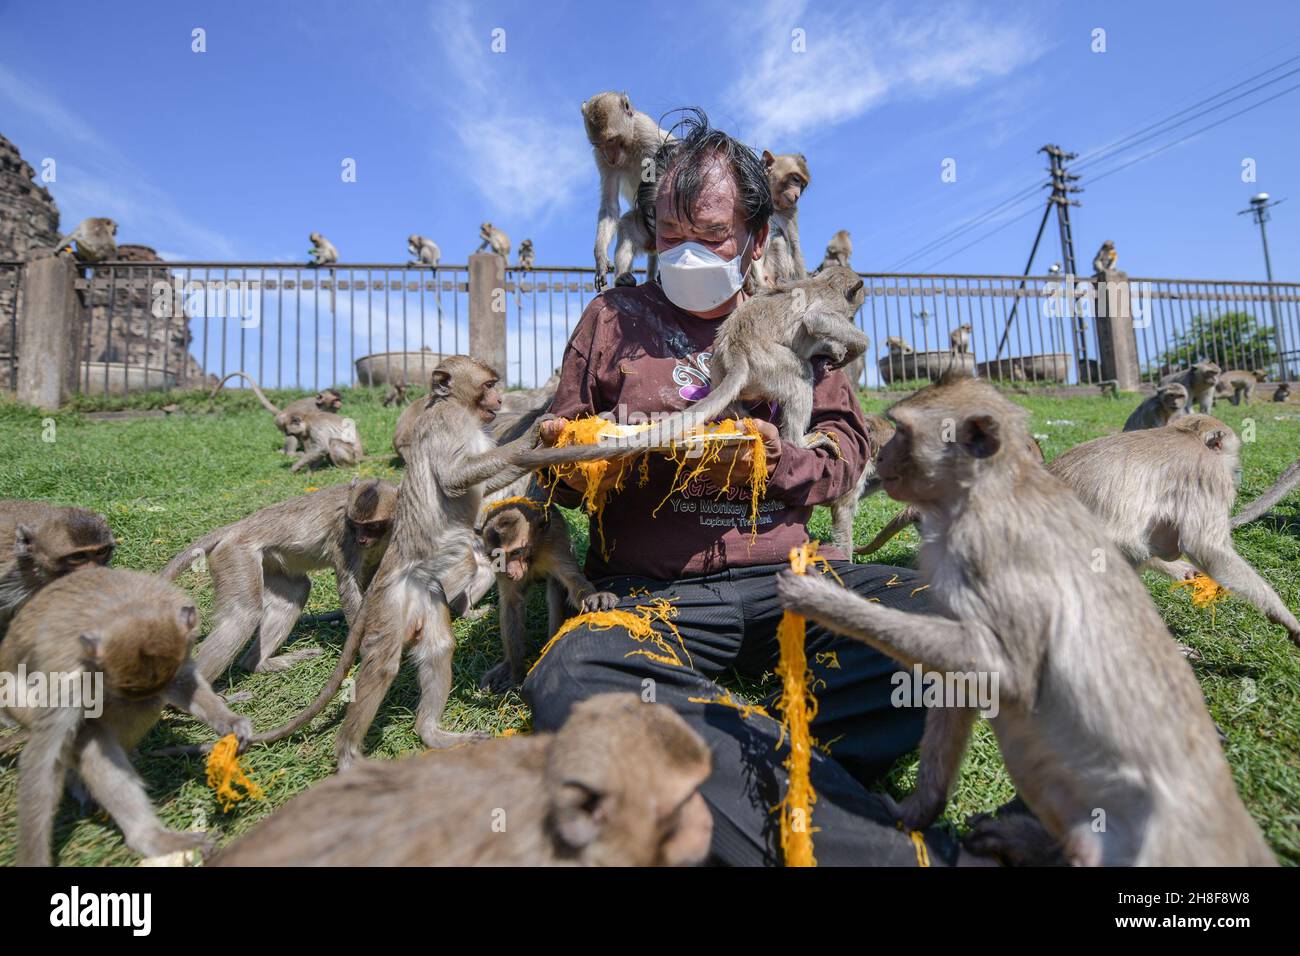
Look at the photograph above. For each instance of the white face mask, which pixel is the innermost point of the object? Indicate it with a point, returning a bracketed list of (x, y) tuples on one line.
[(696, 279)]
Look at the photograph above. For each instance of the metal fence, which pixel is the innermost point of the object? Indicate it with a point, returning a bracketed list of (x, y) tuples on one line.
[(178, 324)]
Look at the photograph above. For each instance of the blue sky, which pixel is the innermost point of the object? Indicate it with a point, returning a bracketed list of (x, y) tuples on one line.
[(235, 153)]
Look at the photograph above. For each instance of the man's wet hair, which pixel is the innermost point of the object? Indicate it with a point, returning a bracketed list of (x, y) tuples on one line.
[(684, 163)]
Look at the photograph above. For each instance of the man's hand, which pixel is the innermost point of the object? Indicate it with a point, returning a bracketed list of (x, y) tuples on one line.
[(736, 459), (550, 433)]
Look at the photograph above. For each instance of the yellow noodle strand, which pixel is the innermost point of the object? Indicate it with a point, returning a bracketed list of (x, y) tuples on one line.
[(225, 775)]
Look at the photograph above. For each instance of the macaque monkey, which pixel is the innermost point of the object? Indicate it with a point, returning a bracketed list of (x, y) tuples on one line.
[(526, 255), (845, 508), (322, 251), (1200, 381), (623, 142), (494, 237), (528, 542), (40, 542), (1167, 492), (617, 785), (1283, 392), (133, 632), (259, 568), (898, 346), (426, 251), (1097, 710), (435, 563), (782, 262), (838, 251), (396, 394), (1105, 259), (325, 436), (765, 350), (960, 338), (1169, 402), (94, 238), (326, 400), (1237, 384)]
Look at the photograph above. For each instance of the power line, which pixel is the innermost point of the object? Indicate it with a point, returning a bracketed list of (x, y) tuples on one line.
[(1197, 132), (1194, 116), (1093, 155), (947, 256), (965, 227)]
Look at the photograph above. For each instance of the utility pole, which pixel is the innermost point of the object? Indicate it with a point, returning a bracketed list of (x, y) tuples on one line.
[(1062, 185), (1259, 207)]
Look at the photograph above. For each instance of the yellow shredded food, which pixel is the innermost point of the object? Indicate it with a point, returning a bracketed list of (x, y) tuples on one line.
[(1206, 592), (226, 776), (639, 624)]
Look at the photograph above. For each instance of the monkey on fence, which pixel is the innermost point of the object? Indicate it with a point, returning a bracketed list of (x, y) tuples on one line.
[(617, 785), (41, 542), (496, 238), (426, 251), (527, 258), (322, 251), (1105, 259), (326, 400), (94, 238), (1096, 709), (623, 144), (128, 635)]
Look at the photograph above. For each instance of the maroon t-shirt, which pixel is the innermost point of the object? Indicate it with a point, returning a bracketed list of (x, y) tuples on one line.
[(633, 352)]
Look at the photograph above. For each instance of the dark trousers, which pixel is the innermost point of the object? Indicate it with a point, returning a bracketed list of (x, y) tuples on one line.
[(729, 621)]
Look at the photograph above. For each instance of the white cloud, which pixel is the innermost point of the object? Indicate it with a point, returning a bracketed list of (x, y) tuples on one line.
[(525, 163), (858, 58)]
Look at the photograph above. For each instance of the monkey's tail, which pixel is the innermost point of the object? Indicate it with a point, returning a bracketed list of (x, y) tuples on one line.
[(714, 405), (177, 565), (346, 659), (900, 521), (1281, 488), (266, 402)]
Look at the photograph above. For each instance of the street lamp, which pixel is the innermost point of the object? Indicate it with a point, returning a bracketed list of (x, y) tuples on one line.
[(1259, 207)]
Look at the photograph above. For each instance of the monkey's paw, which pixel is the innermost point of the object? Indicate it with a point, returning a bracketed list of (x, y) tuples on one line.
[(919, 809), (820, 440), (1016, 839), (500, 679), (799, 592), (436, 739), (625, 279), (600, 601)]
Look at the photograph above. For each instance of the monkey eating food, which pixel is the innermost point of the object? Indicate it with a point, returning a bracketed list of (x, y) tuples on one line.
[(528, 542), (126, 636), (1083, 657)]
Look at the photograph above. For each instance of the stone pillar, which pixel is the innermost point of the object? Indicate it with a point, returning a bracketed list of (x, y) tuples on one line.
[(1116, 339), (49, 332), (487, 310)]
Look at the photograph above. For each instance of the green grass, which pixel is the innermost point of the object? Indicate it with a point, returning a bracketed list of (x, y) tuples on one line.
[(163, 482)]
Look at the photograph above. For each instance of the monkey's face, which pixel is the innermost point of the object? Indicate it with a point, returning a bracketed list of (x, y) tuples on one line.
[(608, 119), (489, 400), (787, 177), (1173, 399), (328, 400), (507, 538), (1206, 373), (623, 779), (367, 534), (295, 426)]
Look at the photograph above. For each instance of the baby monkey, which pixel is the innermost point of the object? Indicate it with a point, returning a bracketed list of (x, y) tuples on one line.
[(617, 785), (114, 646), (526, 542), (1097, 711), (325, 437), (326, 400)]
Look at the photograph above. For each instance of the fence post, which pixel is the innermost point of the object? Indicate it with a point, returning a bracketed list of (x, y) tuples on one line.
[(1116, 338), (49, 332), (487, 310)]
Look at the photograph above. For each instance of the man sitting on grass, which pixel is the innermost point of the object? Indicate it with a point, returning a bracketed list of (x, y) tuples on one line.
[(641, 350)]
